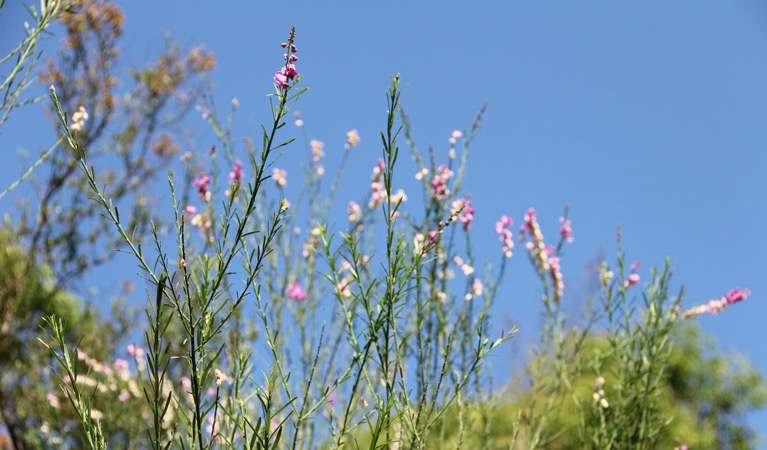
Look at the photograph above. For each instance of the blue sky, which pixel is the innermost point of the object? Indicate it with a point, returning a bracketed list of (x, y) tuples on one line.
[(650, 114)]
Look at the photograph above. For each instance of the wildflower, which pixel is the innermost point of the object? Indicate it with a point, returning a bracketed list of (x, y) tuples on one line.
[(343, 286), (398, 197), (439, 184), (124, 396), (418, 243), (465, 212), (53, 401), (296, 292), (287, 73), (635, 266), (319, 170), (535, 246), (456, 135), (599, 393), (220, 377), (556, 278), (434, 236), (284, 205), (737, 295), (317, 149), (566, 231), (352, 139), (378, 170), (354, 211), (506, 237), (422, 173), (236, 174), (201, 221), (79, 118), (186, 383), (505, 221), (121, 367), (201, 184), (135, 351), (191, 210), (280, 177), (715, 305), (679, 447), (477, 287), (632, 280), (467, 269), (283, 76), (377, 196), (235, 103), (96, 414), (376, 185), (605, 274)]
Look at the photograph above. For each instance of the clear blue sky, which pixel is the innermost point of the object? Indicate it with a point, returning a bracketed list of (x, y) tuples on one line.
[(649, 114)]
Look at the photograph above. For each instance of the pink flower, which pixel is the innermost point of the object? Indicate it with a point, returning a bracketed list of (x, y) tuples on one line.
[(202, 184), (737, 295), (434, 236), (284, 75), (354, 211), (190, 210), (236, 174), (352, 139), (506, 237), (556, 278), (53, 401), (135, 351), (466, 214), (635, 266), (567, 230), (186, 383), (505, 221), (280, 177), (439, 183), (296, 292), (535, 246), (124, 396), (632, 280)]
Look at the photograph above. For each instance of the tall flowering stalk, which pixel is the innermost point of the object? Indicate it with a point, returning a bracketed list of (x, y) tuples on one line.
[(194, 296)]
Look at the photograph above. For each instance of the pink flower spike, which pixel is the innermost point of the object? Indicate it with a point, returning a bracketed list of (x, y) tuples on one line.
[(236, 174), (737, 295), (296, 292), (566, 231)]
